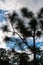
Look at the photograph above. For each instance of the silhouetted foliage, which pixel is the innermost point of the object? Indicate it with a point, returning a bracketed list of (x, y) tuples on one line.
[(3, 57), (38, 33), (41, 22), (13, 17), (40, 14), (40, 17), (7, 38), (26, 13), (5, 28), (23, 30), (4, 62), (34, 24), (23, 59)]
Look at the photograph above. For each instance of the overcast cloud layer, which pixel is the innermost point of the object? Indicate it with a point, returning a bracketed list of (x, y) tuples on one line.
[(16, 4)]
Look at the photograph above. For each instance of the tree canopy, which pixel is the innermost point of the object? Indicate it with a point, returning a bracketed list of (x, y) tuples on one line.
[(26, 26)]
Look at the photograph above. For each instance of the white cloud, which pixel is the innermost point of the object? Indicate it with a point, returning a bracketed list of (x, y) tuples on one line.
[(9, 4), (41, 47), (28, 51), (3, 34), (39, 40), (2, 43)]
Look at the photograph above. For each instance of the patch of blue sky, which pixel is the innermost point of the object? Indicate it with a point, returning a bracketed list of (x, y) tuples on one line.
[(22, 47), (2, 18), (10, 44), (3, 15), (17, 42), (3, 11), (38, 44), (30, 42)]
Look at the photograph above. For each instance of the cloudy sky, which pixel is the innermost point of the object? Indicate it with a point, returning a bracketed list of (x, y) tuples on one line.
[(16, 4), (9, 5)]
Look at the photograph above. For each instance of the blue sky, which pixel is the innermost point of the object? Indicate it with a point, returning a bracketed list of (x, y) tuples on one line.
[(3, 15)]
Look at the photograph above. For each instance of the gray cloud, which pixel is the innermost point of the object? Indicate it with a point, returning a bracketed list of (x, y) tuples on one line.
[(16, 4), (31, 4)]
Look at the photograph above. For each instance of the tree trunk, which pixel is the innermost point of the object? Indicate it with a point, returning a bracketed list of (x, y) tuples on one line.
[(34, 48)]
